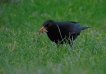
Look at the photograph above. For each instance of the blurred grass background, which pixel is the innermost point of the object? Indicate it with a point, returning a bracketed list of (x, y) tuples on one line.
[(20, 21)]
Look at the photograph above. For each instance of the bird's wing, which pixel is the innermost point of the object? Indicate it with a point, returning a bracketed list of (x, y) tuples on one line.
[(69, 26), (73, 27), (77, 28)]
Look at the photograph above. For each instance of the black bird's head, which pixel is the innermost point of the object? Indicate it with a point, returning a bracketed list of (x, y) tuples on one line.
[(47, 24)]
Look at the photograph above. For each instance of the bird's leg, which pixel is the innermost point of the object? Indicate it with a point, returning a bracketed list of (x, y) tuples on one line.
[(71, 39), (71, 42)]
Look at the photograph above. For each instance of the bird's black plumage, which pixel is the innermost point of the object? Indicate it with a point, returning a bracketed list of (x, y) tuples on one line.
[(62, 32)]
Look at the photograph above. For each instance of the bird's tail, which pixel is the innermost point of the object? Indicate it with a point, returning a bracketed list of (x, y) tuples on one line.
[(83, 28)]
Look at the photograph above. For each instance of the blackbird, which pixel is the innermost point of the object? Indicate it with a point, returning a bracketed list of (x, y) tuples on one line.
[(62, 32)]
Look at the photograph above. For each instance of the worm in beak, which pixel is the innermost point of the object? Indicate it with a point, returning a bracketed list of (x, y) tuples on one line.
[(42, 29)]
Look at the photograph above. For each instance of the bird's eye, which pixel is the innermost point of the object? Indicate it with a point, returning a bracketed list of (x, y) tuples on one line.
[(48, 25)]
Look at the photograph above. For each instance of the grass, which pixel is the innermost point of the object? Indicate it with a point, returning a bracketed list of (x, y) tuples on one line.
[(20, 22)]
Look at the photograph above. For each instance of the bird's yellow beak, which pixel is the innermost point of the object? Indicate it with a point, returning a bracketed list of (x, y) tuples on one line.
[(42, 29)]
